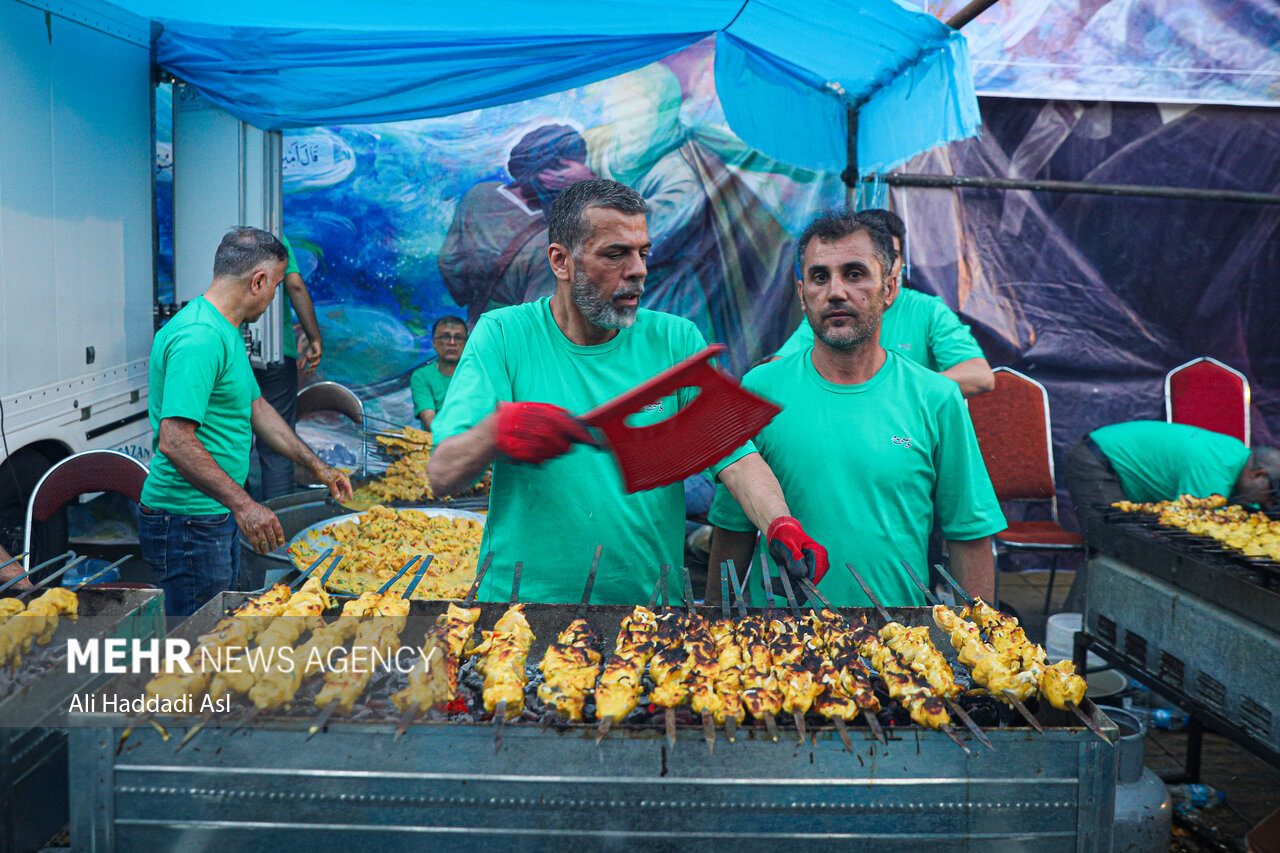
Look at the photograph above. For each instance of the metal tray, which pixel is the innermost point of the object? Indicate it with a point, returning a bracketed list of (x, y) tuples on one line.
[(324, 540)]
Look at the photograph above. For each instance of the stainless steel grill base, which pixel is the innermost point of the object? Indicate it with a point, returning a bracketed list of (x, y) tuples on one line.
[(33, 753), (441, 786), (1201, 654)]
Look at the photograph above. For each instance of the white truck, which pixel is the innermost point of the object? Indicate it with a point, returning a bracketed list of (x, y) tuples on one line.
[(78, 235)]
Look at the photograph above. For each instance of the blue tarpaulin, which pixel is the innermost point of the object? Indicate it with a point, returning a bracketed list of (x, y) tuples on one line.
[(786, 69)]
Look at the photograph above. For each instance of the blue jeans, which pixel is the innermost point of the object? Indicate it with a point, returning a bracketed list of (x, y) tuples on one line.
[(195, 557)]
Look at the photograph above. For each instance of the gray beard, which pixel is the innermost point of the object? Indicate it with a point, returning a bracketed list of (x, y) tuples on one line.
[(600, 311), (849, 337)]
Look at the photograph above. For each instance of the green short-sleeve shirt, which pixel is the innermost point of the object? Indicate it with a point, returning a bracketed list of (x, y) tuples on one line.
[(286, 316), (1157, 461), (428, 387), (919, 326), (199, 371), (865, 467), (552, 516)]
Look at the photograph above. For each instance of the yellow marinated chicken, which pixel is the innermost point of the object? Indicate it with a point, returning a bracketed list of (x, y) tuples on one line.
[(571, 667), (434, 679), (10, 607), (670, 666), (36, 624), (761, 692), (794, 665), (503, 654), (277, 687), (909, 688), (728, 680), (917, 651), (375, 639), (842, 651), (620, 683)]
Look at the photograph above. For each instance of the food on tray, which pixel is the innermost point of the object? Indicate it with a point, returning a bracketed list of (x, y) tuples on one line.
[(374, 547), (1254, 534), (406, 477)]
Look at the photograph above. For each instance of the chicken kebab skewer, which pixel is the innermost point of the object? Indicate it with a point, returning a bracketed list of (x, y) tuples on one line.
[(846, 682), (503, 653), (36, 624), (378, 636), (434, 679), (729, 659), (621, 681), (670, 665), (913, 690), (571, 665)]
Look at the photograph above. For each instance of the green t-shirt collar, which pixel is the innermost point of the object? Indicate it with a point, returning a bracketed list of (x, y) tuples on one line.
[(839, 388), (557, 334)]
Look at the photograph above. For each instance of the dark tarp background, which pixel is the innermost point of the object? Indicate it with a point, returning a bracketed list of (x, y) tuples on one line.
[(1097, 296)]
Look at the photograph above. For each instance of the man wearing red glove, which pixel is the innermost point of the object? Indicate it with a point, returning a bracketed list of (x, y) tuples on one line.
[(526, 370), (869, 445)]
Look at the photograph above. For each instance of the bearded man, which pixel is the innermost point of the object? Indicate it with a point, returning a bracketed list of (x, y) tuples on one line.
[(527, 367), (869, 444)]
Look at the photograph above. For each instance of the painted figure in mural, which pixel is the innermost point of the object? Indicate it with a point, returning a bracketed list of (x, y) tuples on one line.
[(495, 252), (527, 367), (429, 383), (903, 448), (919, 326)]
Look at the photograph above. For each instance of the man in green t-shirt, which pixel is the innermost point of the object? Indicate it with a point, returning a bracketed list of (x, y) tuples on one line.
[(1148, 461), (205, 408), (429, 383), (869, 446), (279, 382), (918, 326), (527, 367)]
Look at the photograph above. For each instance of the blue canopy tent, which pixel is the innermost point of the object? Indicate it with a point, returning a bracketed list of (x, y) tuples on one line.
[(793, 75)]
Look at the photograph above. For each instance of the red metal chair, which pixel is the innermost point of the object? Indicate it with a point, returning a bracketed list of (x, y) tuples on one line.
[(82, 474), (1208, 394), (1015, 436)]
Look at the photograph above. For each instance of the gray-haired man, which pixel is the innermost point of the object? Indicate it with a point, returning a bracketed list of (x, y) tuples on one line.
[(526, 367), (205, 407)]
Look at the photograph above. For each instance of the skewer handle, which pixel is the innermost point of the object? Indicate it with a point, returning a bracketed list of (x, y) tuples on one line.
[(688, 589), (417, 578), (386, 586), (928, 593), (475, 584), (725, 603), (45, 581), (739, 589), (811, 588), (297, 584), (36, 568), (515, 582), (785, 577), (884, 614), (100, 573), (591, 581), (952, 581)]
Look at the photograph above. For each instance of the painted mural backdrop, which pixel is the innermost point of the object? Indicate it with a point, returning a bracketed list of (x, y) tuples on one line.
[(1204, 51), (395, 225)]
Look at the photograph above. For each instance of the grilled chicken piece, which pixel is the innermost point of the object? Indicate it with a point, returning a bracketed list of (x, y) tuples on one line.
[(378, 635), (10, 607), (761, 692), (670, 666), (997, 671), (276, 688), (434, 679), (620, 684), (302, 612), (700, 643), (570, 667), (909, 688), (1060, 684), (504, 652), (36, 624), (728, 681), (844, 677), (917, 651)]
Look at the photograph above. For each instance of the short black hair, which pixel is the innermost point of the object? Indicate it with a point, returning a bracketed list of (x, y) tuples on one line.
[(243, 248), (893, 222), (835, 225), (567, 223), (447, 320)]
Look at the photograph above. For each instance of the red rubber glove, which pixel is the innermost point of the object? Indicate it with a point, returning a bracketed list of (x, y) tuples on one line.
[(793, 549), (535, 432)]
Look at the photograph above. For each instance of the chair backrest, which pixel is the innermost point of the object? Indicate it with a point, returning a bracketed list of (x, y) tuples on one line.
[(331, 397), (1014, 434), (81, 474), (1208, 394)]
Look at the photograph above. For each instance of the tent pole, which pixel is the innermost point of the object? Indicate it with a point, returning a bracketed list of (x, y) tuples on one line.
[(850, 175), (969, 12), (900, 179)]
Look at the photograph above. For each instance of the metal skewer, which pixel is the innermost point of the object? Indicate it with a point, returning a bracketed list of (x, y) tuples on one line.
[(246, 719), (767, 580), (591, 582), (417, 578), (411, 712), (322, 720), (843, 731), (952, 581), (99, 574), (302, 578), (738, 588), (14, 559), (324, 580), (382, 590), (607, 722), (28, 572), (709, 730), (49, 578), (785, 576), (688, 589), (951, 703), (1084, 718), (475, 584), (1012, 699), (195, 730), (499, 725), (515, 582), (669, 723), (725, 601), (867, 714)]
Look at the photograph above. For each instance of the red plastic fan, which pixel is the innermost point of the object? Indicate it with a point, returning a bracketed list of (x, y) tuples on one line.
[(720, 419)]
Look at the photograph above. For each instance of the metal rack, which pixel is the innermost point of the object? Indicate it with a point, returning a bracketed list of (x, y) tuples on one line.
[(550, 787)]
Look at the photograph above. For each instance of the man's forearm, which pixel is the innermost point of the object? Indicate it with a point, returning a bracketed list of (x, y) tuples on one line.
[(727, 545), (276, 433), (752, 482), (974, 566), (194, 464), (459, 461), (973, 375), (301, 299), (427, 416)]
